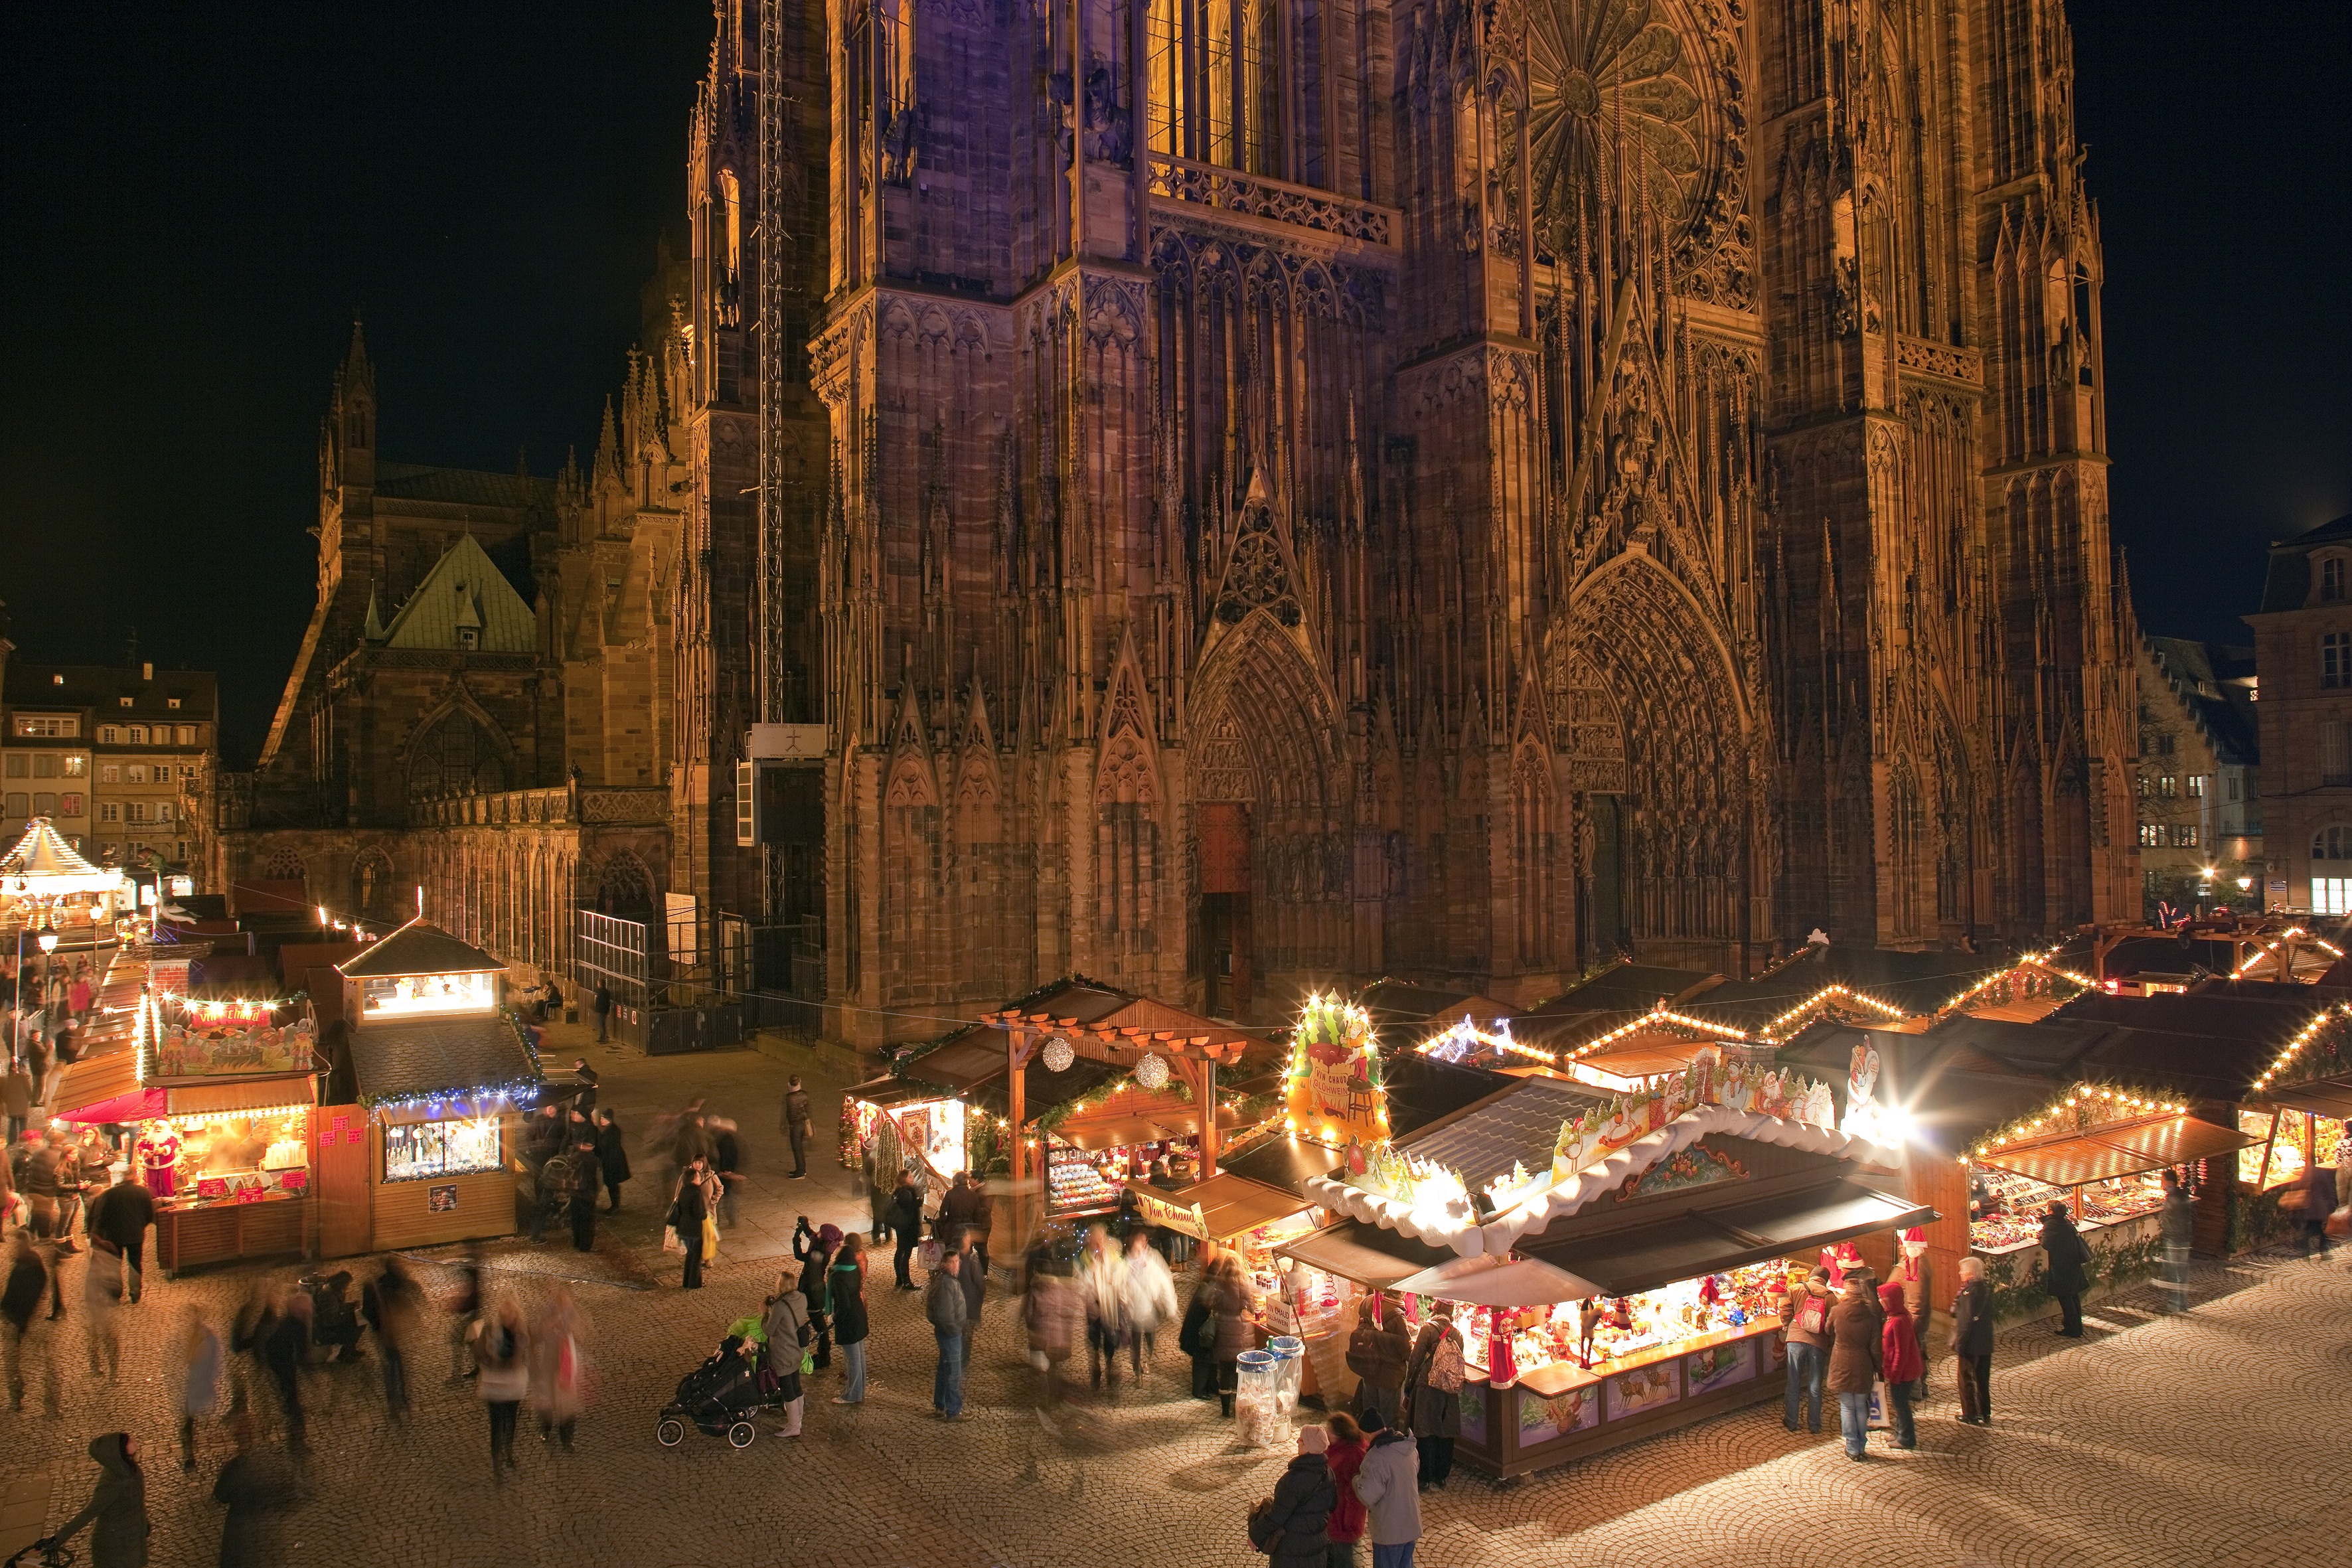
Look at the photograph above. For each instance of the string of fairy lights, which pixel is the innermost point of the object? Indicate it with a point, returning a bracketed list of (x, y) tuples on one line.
[(2067, 1113), (2301, 1040)]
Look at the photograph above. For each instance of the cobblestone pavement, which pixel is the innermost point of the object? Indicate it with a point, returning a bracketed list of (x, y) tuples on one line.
[(2213, 1439)]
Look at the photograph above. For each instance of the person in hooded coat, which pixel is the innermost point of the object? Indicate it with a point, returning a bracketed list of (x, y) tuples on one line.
[(2068, 1257), (1433, 1396), (1291, 1529), (1387, 1484), (117, 1511), (1904, 1363), (1377, 1352), (252, 1484), (613, 1155)]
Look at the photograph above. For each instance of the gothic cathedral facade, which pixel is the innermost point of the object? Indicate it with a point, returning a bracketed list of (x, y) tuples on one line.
[(1268, 492)]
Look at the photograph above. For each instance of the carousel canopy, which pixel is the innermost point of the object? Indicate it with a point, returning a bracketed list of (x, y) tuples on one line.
[(43, 865)]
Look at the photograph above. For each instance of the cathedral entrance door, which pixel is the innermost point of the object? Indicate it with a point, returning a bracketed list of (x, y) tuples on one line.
[(1224, 954)]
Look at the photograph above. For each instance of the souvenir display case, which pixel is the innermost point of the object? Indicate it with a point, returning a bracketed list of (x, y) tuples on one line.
[(1627, 1330)]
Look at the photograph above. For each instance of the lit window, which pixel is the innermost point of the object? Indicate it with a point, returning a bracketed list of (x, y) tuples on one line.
[(77, 765), (2167, 786), (48, 726), (110, 773), (2336, 659), (2151, 837), (139, 775), (2147, 786), (69, 805), (2331, 895), (2184, 836)]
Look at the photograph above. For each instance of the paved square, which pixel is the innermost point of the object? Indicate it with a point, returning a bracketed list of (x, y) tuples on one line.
[(2214, 1439)]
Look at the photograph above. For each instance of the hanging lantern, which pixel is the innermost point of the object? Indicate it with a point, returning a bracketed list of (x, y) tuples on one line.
[(1058, 1055), (1151, 1072)]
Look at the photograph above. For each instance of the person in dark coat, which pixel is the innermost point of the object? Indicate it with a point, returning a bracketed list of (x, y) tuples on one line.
[(578, 1129), (846, 1289), (117, 1511), (688, 1210), (585, 1102), (1433, 1398), (796, 1125), (251, 1485), (906, 1224), (814, 1249), (20, 1303), (877, 1200), (1292, 1528), (1235, 1332), (612, 1157), (727, 1160), (2068, 1257), (283, 1350), (1972, 1342), (587, 1175), (604, 1013), (1857, 1349), (973, 1278), (1377, 1352)]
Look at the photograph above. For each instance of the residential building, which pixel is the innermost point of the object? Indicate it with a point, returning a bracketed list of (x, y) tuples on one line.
[(2199, 783), (2303, 647), (116, 756)]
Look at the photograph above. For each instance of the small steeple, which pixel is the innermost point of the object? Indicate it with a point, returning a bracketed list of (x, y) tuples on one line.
[(608, 445), (372, 631)]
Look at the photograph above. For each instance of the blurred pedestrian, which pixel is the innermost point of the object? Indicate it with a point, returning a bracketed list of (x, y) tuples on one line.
[(689, 1206), (604, 1012), (119, 1219), (503, 1378), (585, 1102), (465, 1306), (812, 1249), (1433, 1397), (846, 1295), (1292, 1525), (28, 1277), (1148, 1300), (1857, 1352), (251, 1485), (587, 1176), (1054, 1314), (2066, 1261), (558, 1390), (1344, 1454), (115, 1513), (788, 1335), (393, 1304), (286, 1346), (101, 1297), (16, 1097), (1972, 1342), (727, 1163), (1377, 1352), (878, 1199), (1102, 1283), (796, 1125), (1388, 1483), (612, 1157), (200, 1374), (907, 1224), (974, 1280), (943, 1305), (2179, 1226)]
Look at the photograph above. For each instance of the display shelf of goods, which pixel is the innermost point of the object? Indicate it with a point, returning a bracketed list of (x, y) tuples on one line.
[(1630, 1329), (2287, 1161), (2124, 1198), (2013, 1207), (1075, 1183), (424, 1149)]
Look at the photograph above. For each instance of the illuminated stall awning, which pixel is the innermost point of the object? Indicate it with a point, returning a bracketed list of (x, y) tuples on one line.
[(96, 1083), (42, 865), (2328, 1096), (1710, 1241), (238, 1094), (1499, 1282), (2123, 1150), (1224, 1206), (1364, 1253)]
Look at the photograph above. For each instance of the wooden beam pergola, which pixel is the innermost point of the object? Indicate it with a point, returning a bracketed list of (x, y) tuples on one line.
[(1194, 1057)]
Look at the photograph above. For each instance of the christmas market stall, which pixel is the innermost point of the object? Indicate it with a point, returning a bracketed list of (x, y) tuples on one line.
[(1614, 1259), (430, 1152), (220, 1123)]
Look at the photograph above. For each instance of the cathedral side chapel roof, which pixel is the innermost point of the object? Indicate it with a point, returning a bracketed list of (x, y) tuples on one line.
[(465, 590), (462, 487)]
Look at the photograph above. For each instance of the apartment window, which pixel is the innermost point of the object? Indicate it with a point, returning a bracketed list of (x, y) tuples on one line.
[(2151, 837), (17, 805), (2147, 786), (124, 701), (139, 775), (2332, 844), (2331, 578), (186, 734), (163, 814), (106, 733), (45, 764), (2336, 659), (2331, 895), (45, 804), (137, 734), (138, 810), (2335, 752), (2167, 786), (2164, 744), (187, 770), (48, 726), (109, 811), (76, 765), (2184, 836), (69, 805), (2233, 787), (19, 765), (2197, 785), (170, 702), (110, 773)]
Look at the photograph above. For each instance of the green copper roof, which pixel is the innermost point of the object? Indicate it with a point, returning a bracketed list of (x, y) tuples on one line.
[(464, 592)]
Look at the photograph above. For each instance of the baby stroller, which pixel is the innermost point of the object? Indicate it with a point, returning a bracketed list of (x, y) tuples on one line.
[(720, 1397)]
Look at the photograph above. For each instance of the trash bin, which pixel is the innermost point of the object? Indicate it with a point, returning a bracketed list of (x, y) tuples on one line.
[(1290, 1353), (1257, 1407)]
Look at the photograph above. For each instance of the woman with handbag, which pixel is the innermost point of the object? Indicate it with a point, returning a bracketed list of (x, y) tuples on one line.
[(1289, 1527), (1857, 1354), (1433, 1397)]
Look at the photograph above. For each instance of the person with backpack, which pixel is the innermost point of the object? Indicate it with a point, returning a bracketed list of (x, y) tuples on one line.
[(1290, 1526), (1433, 1384), (1805, 1322)]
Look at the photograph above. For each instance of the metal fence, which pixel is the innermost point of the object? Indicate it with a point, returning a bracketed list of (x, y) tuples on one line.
[(607, 949)]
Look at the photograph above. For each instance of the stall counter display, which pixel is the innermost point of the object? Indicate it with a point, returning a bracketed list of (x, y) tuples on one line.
[(1548, 1348), (1075, 1181), (2326, 1135), (2010, 1208), (236, 1181), (418, 1151)]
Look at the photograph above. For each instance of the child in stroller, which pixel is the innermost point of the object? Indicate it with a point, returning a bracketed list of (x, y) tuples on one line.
[(721, 1397)]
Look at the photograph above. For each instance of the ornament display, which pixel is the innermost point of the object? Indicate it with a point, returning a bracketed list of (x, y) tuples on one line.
[(1058, 1055), (1151, 1072)]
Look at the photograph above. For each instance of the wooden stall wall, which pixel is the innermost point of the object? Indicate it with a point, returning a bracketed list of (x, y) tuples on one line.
[(344, 1174), (485, 1201)]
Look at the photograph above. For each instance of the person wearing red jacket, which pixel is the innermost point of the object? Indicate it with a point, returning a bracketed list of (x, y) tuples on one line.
[(1344, 1455), (1903, 1364)]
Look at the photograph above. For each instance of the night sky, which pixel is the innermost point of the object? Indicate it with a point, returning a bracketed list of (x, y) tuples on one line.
[(194, 200)]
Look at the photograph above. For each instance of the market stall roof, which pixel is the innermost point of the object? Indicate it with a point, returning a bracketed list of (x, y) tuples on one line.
[(1083, 1010), (1644, 1054), (1229, 1204), (417, 1058), (1707, 1241), (94, 1080), (1364, 1253), (1499, 1282), (1414, 1010), (886, 1092), (2102, 1154), (1041, 1086), (1628, 987), (1518, 1126), (1282, 1161), (2326, 1097), (1861, 982), (43, 865), (1422, 1090), (417, 948)]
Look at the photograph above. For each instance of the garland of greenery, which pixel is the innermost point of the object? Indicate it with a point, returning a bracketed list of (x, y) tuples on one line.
[(1054, 1115)]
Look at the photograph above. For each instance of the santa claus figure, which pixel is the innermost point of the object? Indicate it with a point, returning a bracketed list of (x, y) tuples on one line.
[(157, 1153), (1841, 1260), (1502, 1361)]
